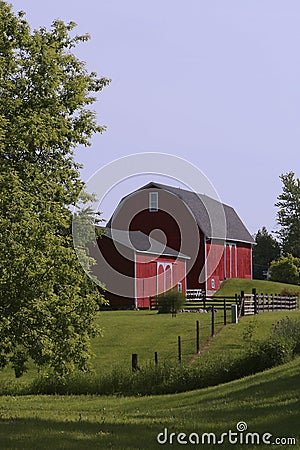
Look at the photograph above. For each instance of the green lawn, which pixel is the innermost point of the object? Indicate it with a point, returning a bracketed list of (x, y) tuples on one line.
[(267, 402), (236, 285), (146, 332), (230, 341), (141, 332)]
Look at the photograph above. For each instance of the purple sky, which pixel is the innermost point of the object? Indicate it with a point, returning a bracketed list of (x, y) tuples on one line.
[(214, 82)]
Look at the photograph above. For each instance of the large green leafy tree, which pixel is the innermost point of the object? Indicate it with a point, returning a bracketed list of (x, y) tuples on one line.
[(47, 302), (266, 250), (285, 269), (288, 215)]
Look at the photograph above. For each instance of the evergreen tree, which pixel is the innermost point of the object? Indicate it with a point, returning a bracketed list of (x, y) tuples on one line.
[(266, 250), (288, 215)]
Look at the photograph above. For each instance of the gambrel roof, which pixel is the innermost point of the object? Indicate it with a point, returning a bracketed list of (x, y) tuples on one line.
[(203, 207)]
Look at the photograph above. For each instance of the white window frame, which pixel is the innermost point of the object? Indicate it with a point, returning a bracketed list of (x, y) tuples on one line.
[(153, 201)]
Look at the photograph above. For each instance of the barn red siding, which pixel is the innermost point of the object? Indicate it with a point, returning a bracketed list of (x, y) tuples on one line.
[(215, 264), (155, 275), (244, 261), (121, 263), (234, 262), (194, 269), (173, 225)]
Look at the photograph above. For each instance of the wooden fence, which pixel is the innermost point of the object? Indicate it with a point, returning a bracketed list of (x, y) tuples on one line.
[(259, 303), (247, 303)]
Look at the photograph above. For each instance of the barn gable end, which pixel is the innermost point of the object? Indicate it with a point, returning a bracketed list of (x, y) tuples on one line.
[(164, 212)]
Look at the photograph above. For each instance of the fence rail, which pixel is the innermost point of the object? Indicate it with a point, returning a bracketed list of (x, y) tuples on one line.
[(254, 303), (258, 303)]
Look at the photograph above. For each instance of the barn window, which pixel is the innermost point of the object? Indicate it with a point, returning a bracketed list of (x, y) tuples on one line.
[(153, 201), (213, 284), (179, 286)]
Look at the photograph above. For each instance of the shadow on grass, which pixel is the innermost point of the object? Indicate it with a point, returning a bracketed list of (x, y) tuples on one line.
[(23, 434), (35, 433), (267, 402)]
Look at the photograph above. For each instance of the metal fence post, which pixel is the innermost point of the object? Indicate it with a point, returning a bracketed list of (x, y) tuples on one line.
[(179, 349), (197, 336), (234, 314), (134, 362), (212, 320), (255, 301)]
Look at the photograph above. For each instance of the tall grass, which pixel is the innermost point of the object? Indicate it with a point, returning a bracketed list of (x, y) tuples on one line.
[(167, 378)]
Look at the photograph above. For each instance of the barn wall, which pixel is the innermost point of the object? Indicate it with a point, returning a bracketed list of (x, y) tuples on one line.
[(173, 224), (223, 263), (111, 262), (148, 284), (215, 264), (244, 263), (195, 268)]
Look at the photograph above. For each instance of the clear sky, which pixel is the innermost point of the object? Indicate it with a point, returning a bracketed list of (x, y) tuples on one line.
[(216, 82)]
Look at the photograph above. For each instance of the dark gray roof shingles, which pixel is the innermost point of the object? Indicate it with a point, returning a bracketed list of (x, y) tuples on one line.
[(215, 219)]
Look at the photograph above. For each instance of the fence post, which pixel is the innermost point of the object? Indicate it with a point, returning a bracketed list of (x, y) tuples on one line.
[(179, 349), (197, 336), (134, 362), (243, 303), (212, 320), (255, 301), (156, 358), (234, 314), (225, 318)]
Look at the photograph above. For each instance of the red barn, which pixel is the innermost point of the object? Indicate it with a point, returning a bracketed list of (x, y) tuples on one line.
[(134, 267), (196, 231)]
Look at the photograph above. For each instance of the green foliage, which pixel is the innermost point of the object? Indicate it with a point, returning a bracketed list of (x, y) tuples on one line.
[(288, 329), (288, 215), (168, 378), (93, 422), (170, 302), (249, 332), (269, 353), (266, 250), (47, 303), (289, 292), (227, 357), (286, 269)]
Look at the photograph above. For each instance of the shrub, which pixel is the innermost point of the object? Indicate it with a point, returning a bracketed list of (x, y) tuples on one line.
[(286, 292), (270, 353), (288, 329), (170, 302), (285, 269)]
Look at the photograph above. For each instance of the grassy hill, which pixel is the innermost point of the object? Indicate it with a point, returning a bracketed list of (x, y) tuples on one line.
[(141, 332), (268, 402), (144, 332), (236, 285)]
